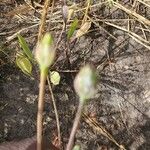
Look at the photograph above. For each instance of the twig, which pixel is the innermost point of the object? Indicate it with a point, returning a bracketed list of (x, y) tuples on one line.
[(43, 19), (136, 37), (133, 13), (101, 130), (144, 3), (15, 34), (52, 9), (86, 12), (100, 27)]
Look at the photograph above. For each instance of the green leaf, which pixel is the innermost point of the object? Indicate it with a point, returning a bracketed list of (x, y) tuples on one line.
[(55, 77), (72, 28), (76, 147), (24, 64), (25, 47)]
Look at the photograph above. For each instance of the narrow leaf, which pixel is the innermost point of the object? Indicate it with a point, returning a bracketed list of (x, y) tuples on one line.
[(25, 47), (84, 29), (55, 77), (72, 28), (24, 64)]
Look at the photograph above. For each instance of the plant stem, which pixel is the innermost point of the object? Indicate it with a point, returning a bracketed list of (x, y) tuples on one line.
[(40, 110), (75, 126), (56, 111)]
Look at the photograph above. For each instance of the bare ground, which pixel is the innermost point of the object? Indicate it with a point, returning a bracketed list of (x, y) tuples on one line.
[(118, 115)]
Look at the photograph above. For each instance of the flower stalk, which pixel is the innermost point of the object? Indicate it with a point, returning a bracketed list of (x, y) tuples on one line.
[(44, 55)]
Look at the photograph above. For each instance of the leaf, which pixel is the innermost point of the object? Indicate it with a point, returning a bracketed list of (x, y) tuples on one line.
[(25, 47), (55, 77), (70, 14), (76, 147), (72, 28), (84, 29), (24, 64)]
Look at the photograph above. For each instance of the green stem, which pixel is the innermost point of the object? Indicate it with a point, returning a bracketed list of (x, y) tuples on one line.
[(75, 126), (43, 76)]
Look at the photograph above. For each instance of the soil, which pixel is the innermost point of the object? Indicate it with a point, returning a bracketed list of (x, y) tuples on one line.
[(120, 109)]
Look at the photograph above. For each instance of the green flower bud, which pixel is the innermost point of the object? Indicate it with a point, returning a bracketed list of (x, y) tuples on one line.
[(45, 52), (85, 83)]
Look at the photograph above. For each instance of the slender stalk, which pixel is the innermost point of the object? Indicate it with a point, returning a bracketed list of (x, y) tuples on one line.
[(75, 126), (55, 110), (40, 110)]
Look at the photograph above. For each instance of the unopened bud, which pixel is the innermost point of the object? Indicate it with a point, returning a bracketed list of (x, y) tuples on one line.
[(45, 52), (65, 12), (85, 83)]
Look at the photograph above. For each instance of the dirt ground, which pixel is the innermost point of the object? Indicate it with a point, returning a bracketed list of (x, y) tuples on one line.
[(118, 115)]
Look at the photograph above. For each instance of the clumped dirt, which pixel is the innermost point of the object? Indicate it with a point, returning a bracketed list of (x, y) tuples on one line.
[(119, 113)]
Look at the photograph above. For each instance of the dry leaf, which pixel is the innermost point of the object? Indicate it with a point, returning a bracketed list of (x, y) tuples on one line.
[(84, 29)]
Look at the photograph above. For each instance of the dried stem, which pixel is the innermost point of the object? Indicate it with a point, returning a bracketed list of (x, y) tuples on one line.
[(75, 126), (40, 111), (43, 19)]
